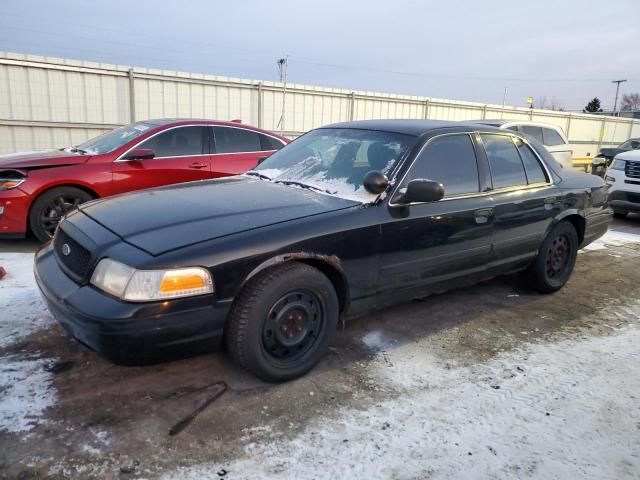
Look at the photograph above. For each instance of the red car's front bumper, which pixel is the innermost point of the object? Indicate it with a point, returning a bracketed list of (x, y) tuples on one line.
[(14, 208)]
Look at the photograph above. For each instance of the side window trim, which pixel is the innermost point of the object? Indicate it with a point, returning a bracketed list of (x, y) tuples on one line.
[(215, 151), (540, 163), (446, 198), (122, 159), (508, 187)]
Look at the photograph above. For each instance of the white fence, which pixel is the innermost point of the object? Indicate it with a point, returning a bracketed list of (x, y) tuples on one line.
[(50, 102)]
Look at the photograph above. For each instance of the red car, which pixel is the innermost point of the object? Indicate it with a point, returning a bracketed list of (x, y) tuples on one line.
[(37, 189)]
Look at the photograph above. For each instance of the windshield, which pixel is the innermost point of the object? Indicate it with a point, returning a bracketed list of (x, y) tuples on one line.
[(108, 142), (335, 160), (633, 143)]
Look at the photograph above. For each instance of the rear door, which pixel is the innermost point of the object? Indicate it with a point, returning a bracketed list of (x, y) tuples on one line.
[(524, 198), (427, 243), (181, 155), (237, 150)]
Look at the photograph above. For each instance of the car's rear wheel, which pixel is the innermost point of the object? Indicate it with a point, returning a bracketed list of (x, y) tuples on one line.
[(556, 259), (282, 322), (51, 206)]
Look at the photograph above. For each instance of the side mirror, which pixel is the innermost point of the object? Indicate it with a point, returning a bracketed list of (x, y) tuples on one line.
[(420, 190), (140, 154), (263, 158), (375, 182)]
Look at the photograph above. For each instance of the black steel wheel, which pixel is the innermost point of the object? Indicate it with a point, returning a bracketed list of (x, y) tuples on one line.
[(556, 259), (51, 207), (282, 322)]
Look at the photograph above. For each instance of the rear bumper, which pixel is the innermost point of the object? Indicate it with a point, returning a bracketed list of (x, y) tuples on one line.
[(14, 205), (129, 333)]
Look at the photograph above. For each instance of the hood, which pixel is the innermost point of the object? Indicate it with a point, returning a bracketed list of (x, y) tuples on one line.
[(53, 158), (163, 219), (611, 152)]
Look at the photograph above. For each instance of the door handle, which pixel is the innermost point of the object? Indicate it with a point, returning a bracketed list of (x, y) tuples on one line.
[(482, 215), (198, 165)]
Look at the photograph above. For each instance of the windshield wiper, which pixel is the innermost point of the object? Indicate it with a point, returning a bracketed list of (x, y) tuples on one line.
[(304, 185), (259, 175), (77, 150)]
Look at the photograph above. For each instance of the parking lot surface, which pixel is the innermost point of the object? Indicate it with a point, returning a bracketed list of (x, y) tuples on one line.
[(489, 381)]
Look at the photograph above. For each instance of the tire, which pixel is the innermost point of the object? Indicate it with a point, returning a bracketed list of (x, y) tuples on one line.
[(619, 214), (49, 208), (283, 322), (555, 261)]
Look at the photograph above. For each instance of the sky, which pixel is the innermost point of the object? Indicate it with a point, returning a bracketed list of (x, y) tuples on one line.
[(563, 51)]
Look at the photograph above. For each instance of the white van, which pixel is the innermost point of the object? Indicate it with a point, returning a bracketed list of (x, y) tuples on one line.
[(552, 137)]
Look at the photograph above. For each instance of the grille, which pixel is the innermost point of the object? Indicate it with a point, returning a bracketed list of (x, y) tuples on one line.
[(632, 169), (77, 260)]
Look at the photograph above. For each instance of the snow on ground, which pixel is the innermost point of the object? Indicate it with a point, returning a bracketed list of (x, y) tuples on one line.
[(545, 411), (613, 238), (25, 386)]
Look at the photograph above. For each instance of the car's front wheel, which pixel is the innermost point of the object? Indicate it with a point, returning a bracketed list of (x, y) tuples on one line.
[(282, 322), (620, 214), (555, 261), (51, 206)]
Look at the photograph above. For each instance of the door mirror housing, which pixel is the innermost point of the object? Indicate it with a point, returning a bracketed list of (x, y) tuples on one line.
[(375, 182), (263, 158), (140, 154), (420, 190)]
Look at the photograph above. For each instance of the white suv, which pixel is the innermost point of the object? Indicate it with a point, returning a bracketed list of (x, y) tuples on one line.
[(552, 137), (623, 176)]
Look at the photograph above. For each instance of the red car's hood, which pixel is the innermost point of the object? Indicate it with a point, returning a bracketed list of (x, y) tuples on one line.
[(53, 158)]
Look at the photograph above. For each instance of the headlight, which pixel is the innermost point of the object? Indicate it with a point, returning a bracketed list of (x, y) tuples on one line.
[(134, 285), (599, 160), (11, 179), (617, 164)]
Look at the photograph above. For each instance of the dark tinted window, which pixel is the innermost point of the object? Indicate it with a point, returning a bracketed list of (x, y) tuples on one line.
[(506, 167), (551, 137), (234, 140), (450, 160), (270, 143), (177, 142), (535, 132), (532, 166)]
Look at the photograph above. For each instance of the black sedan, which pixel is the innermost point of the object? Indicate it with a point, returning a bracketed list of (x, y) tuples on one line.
[(602, 161), (347, 218)]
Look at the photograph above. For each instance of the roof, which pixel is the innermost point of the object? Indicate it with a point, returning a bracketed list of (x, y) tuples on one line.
[(407, 127), (161, 122)]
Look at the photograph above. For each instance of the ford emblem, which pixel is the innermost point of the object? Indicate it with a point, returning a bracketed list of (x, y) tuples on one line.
[(66, 250)]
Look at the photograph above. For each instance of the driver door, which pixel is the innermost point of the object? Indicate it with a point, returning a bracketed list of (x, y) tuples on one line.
[(425, 244), (181, 155)]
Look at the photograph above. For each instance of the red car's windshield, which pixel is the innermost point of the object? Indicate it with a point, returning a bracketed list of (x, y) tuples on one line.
[(108, 142)]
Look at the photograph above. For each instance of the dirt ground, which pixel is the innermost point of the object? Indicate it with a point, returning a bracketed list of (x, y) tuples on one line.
[(489, 381)]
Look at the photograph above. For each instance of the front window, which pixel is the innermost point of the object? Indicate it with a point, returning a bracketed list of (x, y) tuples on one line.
[(110, 141), (633, 144), (336, 160)]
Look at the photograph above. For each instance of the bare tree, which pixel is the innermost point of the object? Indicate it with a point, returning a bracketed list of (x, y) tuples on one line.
[(548, 104), (630, 102)]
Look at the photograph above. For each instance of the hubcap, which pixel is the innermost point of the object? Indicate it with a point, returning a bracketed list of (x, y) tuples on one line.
[(292, 325), (558, 256), (54, 210)]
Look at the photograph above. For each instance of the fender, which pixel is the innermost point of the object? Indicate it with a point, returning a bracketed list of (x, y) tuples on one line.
[(330, 265), (564, 214)]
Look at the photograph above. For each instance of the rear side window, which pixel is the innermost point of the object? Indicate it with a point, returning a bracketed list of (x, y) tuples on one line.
[(513, 127), (551, 137), (236, 140), (535, 132), (532, 166), (450, 160), (506, 167), (269, 143), (177, 142)]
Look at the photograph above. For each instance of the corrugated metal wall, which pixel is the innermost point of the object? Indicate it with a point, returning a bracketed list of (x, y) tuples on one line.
[(50, 102)]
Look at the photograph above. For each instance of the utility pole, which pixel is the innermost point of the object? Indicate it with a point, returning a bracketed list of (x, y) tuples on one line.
[(615, 102), (283, 67), (504, 101)]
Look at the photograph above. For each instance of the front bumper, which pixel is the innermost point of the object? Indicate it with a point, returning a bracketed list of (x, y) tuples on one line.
[(622, 201), (129, 333), (14, 205)]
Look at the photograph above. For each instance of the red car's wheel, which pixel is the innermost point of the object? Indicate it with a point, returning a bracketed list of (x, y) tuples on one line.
[(51, 206)]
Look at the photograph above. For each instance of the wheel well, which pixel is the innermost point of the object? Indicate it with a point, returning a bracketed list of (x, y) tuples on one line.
[(87, 190), (579, 224), (335, 276)]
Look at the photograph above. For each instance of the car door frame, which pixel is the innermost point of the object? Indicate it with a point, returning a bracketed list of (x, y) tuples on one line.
[(398, 287), (258, 153), (206, 148)]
